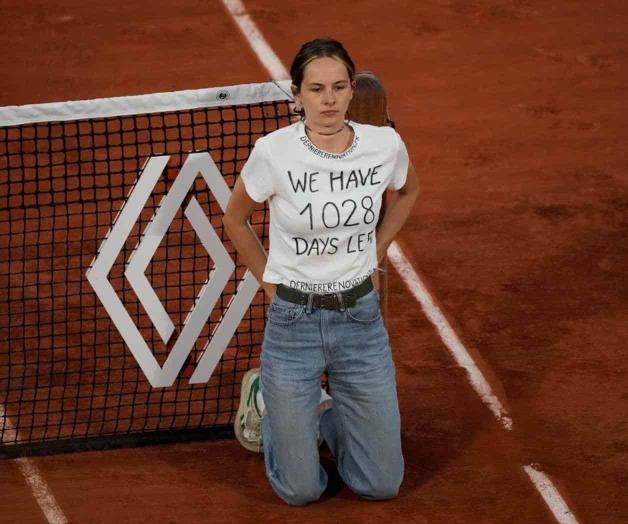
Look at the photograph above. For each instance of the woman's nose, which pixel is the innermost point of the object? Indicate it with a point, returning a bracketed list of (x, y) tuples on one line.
[(330, 97)]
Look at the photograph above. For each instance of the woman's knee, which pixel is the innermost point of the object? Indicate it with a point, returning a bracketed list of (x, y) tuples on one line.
[(297, 492), (300, 498), (298, 489), (378, 485), (381, 490)]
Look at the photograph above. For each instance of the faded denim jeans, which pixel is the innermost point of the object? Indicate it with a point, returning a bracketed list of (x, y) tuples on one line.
[(362, 429)]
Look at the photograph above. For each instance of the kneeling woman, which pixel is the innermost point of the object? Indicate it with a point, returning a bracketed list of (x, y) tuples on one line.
[(324, 177)]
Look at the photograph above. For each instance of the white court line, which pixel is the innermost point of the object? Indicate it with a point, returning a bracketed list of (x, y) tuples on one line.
[(550, 495), (447, 334), (7, 429), (256, 40), (273, 65), (42, 493), (542, 483)]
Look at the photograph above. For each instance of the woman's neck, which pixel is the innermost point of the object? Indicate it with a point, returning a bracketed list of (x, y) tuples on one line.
[(333, 140)]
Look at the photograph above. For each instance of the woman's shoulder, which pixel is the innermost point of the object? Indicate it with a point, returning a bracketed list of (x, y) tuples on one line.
[(373, 131), (383, 136)]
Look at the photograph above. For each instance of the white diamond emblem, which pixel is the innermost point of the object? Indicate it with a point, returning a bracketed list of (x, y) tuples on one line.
[(97, 274)]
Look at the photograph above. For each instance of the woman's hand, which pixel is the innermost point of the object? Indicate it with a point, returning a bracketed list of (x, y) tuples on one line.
[(270, 289)]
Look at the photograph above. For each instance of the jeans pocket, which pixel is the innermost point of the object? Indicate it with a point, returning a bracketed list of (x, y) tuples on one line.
[(367, 308), (283, 313)]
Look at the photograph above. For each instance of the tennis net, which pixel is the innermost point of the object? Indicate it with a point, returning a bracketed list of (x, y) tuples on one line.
[(125, 316)]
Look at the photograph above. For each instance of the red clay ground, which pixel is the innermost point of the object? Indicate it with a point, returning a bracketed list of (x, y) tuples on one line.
[(514, 115)]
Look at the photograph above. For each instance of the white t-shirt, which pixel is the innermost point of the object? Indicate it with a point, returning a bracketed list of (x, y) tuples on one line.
[(324, 207)]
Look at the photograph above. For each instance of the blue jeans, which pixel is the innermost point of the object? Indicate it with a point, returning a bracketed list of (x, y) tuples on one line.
[(362, 429)]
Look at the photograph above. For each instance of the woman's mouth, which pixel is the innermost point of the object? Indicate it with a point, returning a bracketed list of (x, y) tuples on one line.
[(329, 113)]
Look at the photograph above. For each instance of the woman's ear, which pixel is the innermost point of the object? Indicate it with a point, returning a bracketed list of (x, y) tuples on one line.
[(295, 90)]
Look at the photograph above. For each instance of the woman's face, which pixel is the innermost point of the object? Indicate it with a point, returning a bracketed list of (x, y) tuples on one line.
[(325, 92)]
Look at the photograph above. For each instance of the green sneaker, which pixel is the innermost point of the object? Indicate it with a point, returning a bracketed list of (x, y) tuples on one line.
[(248, 422)]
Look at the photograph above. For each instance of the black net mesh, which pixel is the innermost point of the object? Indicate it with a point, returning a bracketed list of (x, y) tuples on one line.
[(66, 375)]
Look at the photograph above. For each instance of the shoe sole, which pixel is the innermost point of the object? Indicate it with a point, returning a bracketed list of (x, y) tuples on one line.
[(248, 377)]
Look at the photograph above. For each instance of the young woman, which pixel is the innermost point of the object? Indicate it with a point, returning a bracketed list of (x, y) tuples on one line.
[(324, 177)]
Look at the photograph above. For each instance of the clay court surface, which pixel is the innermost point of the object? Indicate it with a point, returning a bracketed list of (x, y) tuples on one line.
[(514, 113)]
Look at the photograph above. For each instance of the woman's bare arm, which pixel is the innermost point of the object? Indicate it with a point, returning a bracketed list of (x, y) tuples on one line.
[(242, 236), (397, 212)]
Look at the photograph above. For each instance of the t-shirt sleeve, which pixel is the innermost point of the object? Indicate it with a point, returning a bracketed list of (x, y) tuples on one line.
[(257, 173), (400, 168)]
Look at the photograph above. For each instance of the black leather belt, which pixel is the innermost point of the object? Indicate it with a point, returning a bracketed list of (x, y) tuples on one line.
[(325, 300)]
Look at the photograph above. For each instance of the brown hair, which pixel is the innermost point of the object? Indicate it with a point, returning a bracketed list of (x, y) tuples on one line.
[(369, 102), (319, 48)]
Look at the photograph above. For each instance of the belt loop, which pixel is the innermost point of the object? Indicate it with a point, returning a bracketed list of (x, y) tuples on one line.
[(340, 300), (310, 298)]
